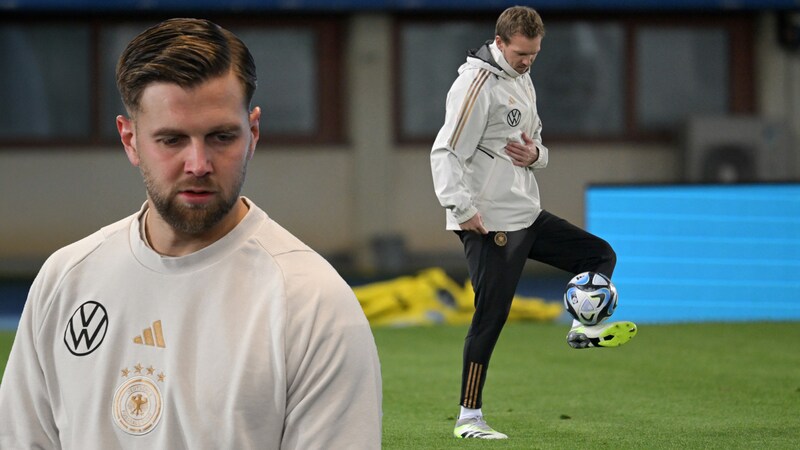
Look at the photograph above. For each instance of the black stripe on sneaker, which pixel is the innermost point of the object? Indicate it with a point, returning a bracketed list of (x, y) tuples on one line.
[(473, 434)]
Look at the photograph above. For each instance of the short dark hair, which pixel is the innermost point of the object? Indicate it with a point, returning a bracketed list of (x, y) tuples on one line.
[(519, 20), (186, 52)]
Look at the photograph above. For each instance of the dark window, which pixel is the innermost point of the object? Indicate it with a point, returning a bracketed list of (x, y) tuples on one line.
[(51, 96), (627, 78)]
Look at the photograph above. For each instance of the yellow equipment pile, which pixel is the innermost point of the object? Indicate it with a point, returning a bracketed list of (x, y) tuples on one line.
[(431, 297)]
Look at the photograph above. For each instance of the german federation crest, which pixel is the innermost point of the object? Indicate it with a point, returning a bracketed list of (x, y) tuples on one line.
[(138, 404)]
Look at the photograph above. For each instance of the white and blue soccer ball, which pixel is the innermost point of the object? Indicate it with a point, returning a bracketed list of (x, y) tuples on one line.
[(590, 298)]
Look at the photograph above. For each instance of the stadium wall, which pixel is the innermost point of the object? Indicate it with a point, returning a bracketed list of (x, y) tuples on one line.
[(341, 199)]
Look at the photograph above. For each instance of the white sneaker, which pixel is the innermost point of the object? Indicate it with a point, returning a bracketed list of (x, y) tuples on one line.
[(476, 428), (612, 334)]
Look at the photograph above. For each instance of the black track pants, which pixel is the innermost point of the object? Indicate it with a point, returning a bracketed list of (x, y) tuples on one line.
[(495, 271)]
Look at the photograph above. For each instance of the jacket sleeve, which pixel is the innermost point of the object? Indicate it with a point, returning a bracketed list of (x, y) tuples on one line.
[(465, 120), (26, 415), (544, 153)]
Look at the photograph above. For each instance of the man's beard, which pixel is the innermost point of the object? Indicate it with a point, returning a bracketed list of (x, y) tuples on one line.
[(191, 219)]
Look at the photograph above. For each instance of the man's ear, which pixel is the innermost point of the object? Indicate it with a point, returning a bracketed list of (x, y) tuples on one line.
[(127, 135), (255, 129), (498, 41)]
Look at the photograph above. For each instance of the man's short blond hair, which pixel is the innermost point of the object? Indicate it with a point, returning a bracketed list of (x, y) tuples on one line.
[(519, 20)]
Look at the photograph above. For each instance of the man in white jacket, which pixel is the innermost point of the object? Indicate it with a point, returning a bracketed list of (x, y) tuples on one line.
[(196, 322), (483, 163)]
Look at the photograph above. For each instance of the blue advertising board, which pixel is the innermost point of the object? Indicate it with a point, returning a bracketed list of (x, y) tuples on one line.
[(688, 253)]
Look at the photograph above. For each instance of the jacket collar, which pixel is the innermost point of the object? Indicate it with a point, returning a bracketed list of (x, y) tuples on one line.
[(489, 55)]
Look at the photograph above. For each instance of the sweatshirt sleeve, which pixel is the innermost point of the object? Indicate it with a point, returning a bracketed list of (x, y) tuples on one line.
[(465, 120), (26, 414), (333, 378)]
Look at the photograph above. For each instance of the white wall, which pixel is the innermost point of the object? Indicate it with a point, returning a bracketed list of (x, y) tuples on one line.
[(778, 81), (337, 199)]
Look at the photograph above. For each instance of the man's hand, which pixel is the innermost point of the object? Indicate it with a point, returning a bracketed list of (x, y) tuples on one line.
[(523, 155), (475, 223)]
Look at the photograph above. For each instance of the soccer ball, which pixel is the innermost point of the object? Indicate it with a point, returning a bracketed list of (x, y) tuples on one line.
[(590, 298)]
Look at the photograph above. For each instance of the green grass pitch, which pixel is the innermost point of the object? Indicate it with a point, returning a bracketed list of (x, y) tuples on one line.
[(698, 386), (693, 386), (6, 339)]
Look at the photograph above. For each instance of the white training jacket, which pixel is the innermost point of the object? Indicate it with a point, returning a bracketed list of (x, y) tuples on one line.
[(488, 104), (254, 342)]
